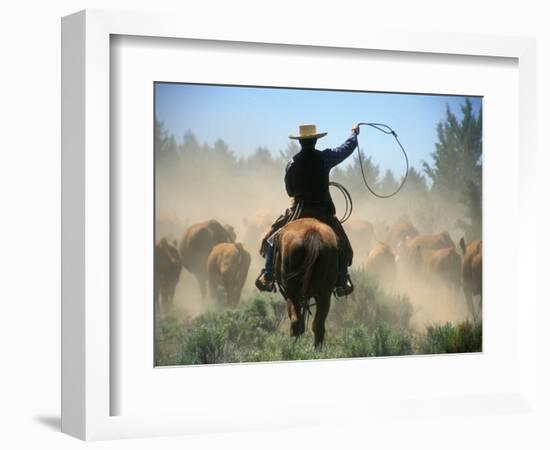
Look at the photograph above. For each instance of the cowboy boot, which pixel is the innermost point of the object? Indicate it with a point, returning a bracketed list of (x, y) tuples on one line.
[(265, 282), (344, 286)]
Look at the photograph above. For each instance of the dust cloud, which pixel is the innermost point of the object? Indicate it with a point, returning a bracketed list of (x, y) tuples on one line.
[(250, 195)]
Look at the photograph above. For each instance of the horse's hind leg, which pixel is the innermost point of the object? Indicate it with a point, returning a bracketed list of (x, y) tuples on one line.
[(321, 313), (297, 322)]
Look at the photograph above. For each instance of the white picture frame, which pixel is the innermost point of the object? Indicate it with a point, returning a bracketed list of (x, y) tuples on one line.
[(86, 220)]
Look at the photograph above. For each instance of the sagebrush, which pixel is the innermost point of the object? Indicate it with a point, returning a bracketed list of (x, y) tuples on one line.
[(371, 322)]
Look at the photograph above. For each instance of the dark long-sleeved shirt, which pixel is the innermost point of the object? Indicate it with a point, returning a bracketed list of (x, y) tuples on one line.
[(329, 157)]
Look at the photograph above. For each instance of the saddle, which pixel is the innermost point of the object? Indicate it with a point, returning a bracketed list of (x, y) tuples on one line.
[(269, 238)]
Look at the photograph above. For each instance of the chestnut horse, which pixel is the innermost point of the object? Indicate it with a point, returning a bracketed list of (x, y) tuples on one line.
[(306, 266)]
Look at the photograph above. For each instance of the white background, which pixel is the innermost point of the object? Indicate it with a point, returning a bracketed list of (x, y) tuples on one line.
[(141, 389), (30, 140)]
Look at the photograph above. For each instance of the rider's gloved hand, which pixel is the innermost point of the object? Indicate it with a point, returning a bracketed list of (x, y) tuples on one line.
[(355, 129)]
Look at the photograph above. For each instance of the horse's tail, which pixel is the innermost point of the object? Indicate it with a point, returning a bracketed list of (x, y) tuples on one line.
[(312, 247)]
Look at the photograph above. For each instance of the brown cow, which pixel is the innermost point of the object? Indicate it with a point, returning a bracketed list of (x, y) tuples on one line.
[(432, 241), (168, 224), (307, 267), (472, 268), (399, 232), (381, 264), (256, 226), (432, 254), (256, 229), (381, 229), (444, 263), (197, 243), (227, 267), (167, 273), (410, 249), (361, 235)]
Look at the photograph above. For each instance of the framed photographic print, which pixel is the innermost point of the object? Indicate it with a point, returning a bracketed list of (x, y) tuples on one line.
[(405, 274), (321, 209)]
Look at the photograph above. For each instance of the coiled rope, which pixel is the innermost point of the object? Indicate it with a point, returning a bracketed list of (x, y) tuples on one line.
[(386, 130), (347, 198)]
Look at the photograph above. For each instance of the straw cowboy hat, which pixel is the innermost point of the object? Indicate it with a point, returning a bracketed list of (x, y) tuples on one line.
[(308, 132)]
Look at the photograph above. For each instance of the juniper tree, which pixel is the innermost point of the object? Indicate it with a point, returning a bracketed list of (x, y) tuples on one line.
[(456, 173)]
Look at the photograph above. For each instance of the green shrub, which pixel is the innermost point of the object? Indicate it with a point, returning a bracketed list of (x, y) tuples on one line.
[(391, 341), (370, 305), (204, 342), (169, 334), (449, 338), (356, 342), (368, 323)]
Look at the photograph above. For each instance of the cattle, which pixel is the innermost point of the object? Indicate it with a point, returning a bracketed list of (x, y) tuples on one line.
[(381, 264), (227, 268), (169, 224), (409, 250), (399, 232), (167, 273), (472, 268), (433, 241), (444, 263), (197, 243), (361, 235), (257, 224), (432, 254), (381, 229), (256, 227)]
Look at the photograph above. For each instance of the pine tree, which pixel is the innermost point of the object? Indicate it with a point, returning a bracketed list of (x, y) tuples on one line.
[(190, 146), (472, 200), (223, 154), (351, 177), (287, 154), (388, 184), (416, 183), (166, 148), (457, 171), (457, 155)]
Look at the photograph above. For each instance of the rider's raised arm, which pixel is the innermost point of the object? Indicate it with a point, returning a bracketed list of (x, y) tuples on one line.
[(335, 156)]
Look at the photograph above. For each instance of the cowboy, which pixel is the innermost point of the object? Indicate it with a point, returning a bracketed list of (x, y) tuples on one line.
[(307, 182)]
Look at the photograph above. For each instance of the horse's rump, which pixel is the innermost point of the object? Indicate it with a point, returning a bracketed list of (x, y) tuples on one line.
[(307, 261)]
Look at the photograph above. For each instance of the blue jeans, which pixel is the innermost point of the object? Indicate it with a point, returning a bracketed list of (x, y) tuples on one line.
[(268, 269)]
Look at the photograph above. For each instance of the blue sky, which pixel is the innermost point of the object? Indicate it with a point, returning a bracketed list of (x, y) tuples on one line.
[(249, 117)]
